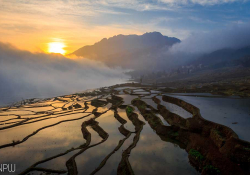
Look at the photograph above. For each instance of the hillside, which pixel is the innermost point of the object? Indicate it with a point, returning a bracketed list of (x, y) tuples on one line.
[(137, 48)]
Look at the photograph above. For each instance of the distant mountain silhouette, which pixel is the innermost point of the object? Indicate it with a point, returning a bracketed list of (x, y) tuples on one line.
[(127, 51), (224, 58)]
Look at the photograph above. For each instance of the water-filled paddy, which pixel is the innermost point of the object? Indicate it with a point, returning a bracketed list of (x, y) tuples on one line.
[(150, 136), (225, 111)]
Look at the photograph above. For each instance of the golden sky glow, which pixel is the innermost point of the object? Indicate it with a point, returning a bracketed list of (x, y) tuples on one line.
[(30, 24)]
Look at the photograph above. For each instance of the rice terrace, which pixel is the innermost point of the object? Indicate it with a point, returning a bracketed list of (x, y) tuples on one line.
[(123, 129)]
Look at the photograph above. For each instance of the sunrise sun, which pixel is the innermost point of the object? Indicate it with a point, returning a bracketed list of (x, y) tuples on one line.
[(56, 47)]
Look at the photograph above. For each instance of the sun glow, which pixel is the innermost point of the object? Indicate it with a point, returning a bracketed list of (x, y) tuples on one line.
[(56, 47)]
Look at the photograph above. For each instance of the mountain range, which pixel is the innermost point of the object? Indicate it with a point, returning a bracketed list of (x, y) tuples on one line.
[(148, 52), (227, 57), (127, 51)]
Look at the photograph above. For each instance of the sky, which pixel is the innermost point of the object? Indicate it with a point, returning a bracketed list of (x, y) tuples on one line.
[(34, 25)]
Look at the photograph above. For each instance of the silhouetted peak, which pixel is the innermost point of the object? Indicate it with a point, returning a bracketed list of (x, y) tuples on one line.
[(109, 49), (152, 34)]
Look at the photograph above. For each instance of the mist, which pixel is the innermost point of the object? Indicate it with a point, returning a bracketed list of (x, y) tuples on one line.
[(199, 44), (28, 75), (236, 36), (38, 75)]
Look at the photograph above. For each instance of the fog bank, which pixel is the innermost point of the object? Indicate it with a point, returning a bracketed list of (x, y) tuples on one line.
[(28, 75), (236, 36), (198, 44)]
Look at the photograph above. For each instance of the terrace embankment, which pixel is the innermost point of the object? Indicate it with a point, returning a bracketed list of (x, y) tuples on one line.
[(213, 148)]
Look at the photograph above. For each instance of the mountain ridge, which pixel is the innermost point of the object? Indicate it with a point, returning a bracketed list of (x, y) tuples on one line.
[(131, 47)]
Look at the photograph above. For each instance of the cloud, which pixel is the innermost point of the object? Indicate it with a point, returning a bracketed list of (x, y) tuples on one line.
[(28, 75), (200, 2), (235, 36), (30, 25), (198, 44)]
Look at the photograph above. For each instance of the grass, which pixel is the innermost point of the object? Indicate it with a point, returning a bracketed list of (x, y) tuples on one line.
[(142, 106), (210, 169), (135, 100), (175, 134), (247, 149), (196, 154), (129, 110), (218, 132)]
